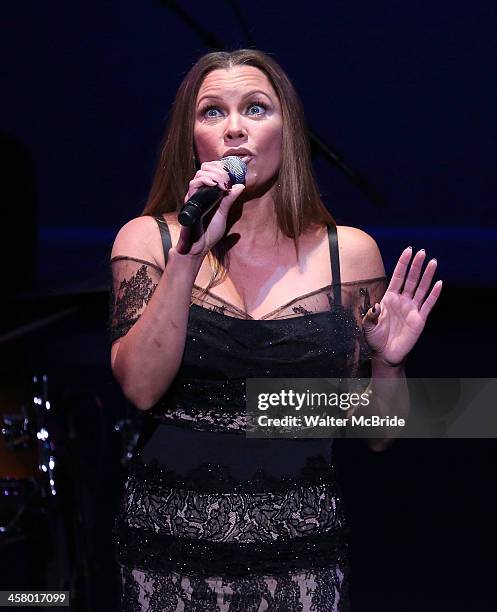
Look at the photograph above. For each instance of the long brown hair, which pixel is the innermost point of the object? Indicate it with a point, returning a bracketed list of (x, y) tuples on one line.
[(297, 202)]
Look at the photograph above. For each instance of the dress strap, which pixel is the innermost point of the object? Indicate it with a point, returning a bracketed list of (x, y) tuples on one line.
[(165, 235), (333, 244), (335, 263)]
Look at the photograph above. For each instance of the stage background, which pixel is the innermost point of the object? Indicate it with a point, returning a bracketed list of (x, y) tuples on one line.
[(405, 93)]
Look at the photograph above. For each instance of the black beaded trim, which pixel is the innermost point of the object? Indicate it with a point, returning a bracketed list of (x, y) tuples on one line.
[(222, 404), (153, 552), (214, 478), (200, 420)]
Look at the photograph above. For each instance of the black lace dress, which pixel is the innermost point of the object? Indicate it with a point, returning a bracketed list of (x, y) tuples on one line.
[(212, 520)]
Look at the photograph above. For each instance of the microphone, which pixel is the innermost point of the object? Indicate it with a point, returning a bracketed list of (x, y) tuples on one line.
[(204, 200)]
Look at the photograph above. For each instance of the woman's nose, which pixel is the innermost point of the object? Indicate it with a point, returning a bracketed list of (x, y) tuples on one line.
[(234, 128)]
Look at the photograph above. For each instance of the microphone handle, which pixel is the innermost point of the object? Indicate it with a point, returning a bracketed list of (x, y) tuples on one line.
[(201, 202)]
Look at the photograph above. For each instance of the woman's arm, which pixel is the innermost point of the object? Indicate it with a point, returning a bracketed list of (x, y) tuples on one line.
[(389, 397), (147, 358), (392, 327)]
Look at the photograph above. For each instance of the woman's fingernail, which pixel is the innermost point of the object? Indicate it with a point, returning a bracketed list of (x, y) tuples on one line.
[(434, 260), (409, 248)]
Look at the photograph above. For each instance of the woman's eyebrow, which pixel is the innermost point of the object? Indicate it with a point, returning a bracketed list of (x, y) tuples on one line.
[(247, 95)]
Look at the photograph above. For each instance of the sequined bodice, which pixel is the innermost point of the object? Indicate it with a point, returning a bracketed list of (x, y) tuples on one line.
[(316, 335), (208, 392)]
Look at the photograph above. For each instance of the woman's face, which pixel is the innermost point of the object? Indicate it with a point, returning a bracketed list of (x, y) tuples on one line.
[(238, 113)]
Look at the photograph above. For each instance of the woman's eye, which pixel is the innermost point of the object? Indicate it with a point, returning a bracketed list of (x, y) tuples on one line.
[(254, 109), (211, 112), (259, 108)]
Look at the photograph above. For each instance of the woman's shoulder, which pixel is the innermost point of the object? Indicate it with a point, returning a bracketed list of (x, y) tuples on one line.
[(140, 237), (360, 257)]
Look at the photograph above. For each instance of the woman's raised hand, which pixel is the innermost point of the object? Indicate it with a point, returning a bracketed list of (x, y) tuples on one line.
[(197, 239), (395, 326)]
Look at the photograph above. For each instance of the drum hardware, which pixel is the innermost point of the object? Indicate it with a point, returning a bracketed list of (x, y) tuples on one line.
[(46, 448), (22, 496), (16, 430), (27, 453)]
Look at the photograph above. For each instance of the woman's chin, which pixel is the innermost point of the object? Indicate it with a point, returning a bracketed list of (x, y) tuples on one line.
[(254, 188)]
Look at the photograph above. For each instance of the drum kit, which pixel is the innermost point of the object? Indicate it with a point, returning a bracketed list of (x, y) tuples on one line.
[(45, 500), (32, 535), (28, 459), (52, 478)]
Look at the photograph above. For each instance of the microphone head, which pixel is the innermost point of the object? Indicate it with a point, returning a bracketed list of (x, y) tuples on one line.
[(236, 168)]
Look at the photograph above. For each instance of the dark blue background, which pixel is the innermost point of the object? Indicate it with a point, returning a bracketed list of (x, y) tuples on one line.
[(405, 92)]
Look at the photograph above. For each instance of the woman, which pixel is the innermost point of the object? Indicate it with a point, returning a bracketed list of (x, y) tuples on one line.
[(211, 519)]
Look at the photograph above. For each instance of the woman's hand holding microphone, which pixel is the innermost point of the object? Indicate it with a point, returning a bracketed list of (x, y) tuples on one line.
[(197, 240)]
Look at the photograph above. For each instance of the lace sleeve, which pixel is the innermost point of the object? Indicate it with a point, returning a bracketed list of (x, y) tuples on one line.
[(133, 283), (357, 298)]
